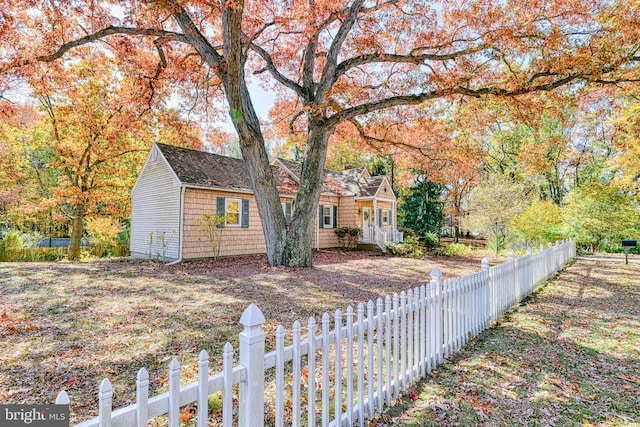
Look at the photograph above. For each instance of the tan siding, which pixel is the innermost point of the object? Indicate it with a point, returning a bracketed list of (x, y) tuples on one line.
[(326, 237), (347, 212), (233, 240), (385, 192)]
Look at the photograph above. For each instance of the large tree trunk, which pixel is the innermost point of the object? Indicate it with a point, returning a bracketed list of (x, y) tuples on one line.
[(286, 249), (252, 143), (73, 253), (300, 235)]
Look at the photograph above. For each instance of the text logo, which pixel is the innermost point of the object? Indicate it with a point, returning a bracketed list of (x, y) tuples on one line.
[(34, 415)]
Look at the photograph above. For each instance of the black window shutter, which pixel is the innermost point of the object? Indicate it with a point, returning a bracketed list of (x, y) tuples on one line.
[(321, 212), (245, 213), (220, 209), (287, 211), (379, 217), (335, 217)]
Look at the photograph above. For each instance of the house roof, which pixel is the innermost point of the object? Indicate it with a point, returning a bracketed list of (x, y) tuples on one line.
[(348, 182), (356, 183), (202, 169)]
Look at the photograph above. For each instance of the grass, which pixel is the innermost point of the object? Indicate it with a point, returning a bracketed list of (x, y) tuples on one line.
[(66, 326), (569, 356)]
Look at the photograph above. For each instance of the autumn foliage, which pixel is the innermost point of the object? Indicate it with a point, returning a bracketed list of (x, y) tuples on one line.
[(411, 79)]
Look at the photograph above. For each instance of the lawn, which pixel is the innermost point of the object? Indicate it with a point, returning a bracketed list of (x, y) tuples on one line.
[(67, 326), (569, 356)]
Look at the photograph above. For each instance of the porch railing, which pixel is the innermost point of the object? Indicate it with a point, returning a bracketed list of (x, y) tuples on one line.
[(379, 236), (398, 236)]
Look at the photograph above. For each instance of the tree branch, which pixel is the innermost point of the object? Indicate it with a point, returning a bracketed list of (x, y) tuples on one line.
[(195, 38), (109, 31), (372, 58), (329, 75), (383, 141), (271, 67), (395, 101)]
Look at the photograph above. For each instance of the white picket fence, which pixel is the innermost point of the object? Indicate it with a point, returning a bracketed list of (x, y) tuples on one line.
[(361, 361)]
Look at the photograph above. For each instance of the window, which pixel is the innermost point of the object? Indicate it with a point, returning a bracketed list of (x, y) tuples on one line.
[(286, 208), (386, 217), (327, 219), (232, 209), (236, 211), (328, 216)]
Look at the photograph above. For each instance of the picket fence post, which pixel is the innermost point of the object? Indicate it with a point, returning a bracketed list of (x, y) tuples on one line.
[(486, 309), (62, 398), (436, 280), (252, 358)]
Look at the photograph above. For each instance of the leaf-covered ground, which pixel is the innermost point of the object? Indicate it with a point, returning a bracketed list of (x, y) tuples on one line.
[(67, 326), (569, 356)]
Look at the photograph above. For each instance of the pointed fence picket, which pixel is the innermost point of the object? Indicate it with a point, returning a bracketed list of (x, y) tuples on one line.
[(351, 369)]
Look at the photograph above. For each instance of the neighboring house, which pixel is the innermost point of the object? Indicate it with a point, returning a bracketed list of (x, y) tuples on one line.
[(177, 186)]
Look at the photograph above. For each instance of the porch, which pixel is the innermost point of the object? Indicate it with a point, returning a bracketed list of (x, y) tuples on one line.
[(377, 216), (380, 235)]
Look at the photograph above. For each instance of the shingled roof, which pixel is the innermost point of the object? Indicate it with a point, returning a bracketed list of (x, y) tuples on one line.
[(349, 182), (204, 169), (355, 182)]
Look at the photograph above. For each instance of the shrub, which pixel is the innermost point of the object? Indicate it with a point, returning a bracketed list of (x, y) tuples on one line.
[(491, 243), (456, 249), (348, 236), (408, 232), (431, 240), (12, 241), (211, 225), (409, 248), (615, 246)]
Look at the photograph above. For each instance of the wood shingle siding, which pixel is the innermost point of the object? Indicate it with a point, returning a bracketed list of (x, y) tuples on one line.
[(234, 240), (326, 237)]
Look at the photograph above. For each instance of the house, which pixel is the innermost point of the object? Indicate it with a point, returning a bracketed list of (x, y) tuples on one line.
[(177, 186)]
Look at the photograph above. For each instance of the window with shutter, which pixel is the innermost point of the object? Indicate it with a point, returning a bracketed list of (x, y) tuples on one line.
[(232, 208), (328, 216), (235, 210)]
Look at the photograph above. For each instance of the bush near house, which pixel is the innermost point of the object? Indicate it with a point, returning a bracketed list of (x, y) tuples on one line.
[(410, 248), (348, 236)]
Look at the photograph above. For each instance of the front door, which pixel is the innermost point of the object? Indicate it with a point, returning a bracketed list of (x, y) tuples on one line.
[(367, 221)]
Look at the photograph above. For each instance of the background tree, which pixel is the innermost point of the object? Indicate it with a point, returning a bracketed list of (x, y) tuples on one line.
[(539, 223), (421, 206), (626, 162), (493, 203), (99, 131), (598, 213)]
